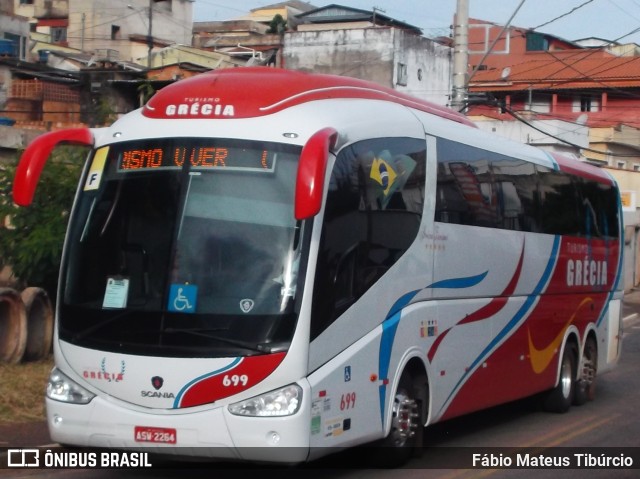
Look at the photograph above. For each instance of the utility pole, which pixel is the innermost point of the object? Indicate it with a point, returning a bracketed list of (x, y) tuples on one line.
[(459, 93), (84, 16), (150, 35)]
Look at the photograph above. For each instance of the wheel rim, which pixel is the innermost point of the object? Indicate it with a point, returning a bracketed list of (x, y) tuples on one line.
[(404, 423), (588, 366), (566, 378), (588, 372)]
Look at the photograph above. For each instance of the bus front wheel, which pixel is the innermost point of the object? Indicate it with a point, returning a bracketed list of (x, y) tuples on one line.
[(406, 424)]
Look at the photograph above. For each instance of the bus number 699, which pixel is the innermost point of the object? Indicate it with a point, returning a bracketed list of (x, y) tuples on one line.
[(235, 380)]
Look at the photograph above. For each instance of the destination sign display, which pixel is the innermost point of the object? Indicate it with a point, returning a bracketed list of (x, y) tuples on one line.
[(197, 157)]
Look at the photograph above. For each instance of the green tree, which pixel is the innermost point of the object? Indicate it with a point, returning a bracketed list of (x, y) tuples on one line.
[(145, 92), (31, 238), (277, 25), (104, 114)]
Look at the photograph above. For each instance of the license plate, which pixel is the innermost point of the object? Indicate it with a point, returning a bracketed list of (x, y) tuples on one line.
[(162, 435)]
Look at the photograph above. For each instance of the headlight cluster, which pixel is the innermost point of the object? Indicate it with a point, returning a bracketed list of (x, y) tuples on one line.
[(61, 388), (282, 402)]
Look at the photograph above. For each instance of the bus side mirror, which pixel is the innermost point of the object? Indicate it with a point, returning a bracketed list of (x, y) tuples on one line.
[(36, 155), (311, 171)]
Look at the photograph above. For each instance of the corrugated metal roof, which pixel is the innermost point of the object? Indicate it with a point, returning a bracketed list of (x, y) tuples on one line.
[(341, 14)]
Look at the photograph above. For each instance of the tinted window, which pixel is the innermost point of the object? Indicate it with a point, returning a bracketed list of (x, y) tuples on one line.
[(517, 183), (480, 188), (372, 215), (559, 203), (477, 187), (598, 209)]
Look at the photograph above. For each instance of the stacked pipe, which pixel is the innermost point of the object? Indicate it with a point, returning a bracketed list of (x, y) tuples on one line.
[(26, 325)]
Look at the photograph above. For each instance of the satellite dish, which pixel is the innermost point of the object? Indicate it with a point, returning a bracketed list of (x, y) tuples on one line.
[(505, 73)]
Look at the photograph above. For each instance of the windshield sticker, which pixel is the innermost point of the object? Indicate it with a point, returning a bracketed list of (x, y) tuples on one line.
[(115, 295), (182, 298), (97, 167)]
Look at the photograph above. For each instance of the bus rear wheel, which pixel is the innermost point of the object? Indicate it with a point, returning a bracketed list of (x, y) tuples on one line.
[(586, 385), (560, 398)]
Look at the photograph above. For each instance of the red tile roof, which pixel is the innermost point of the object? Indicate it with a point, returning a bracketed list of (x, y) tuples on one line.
[(566, 69)]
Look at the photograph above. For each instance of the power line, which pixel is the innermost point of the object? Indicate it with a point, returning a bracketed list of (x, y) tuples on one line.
[(563, 15), (582, 76), (562, 140), (495, 42)]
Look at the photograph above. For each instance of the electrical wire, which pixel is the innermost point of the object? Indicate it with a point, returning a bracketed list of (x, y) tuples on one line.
[(563, 15), (562, 140)]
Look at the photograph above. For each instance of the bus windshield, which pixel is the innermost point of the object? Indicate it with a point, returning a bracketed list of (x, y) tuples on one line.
[(184, 247)]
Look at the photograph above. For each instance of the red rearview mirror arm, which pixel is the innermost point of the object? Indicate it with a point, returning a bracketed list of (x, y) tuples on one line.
[(36, 155), (311, 172)]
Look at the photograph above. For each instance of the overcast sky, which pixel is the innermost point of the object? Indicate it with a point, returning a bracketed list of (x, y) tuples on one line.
[(608, 19)]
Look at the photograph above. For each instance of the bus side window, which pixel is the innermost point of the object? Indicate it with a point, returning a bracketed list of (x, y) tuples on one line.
[(517, 185), (466, 192), (477, 187), (560, 208), (598, 209), (372, 216)]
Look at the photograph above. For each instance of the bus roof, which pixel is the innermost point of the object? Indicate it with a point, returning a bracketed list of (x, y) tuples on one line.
[(257, 91)]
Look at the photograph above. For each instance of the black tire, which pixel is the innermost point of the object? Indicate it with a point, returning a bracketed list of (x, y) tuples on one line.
[(586, 384), (560, 398), (406, 425)]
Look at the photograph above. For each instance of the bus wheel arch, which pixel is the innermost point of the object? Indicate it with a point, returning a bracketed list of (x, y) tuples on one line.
[(559, 398), (587, 370)]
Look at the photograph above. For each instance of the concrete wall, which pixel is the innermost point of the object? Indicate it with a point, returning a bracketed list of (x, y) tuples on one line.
[(629, 183), (92, 21), (12, 140), (375, 54), (51, 8), (365, 54), (571, 133), (15, 26)]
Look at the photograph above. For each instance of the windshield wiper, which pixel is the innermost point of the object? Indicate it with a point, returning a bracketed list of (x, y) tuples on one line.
[(99, 325), (206, 333)]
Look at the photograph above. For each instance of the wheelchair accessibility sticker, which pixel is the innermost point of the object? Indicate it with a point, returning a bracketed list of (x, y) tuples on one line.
[(182, 298)]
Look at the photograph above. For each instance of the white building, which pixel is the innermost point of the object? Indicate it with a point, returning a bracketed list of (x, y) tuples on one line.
[(370, 46), (125, 27), (117, 30)]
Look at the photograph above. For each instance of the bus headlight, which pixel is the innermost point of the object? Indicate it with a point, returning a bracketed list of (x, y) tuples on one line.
[(61, 388), (281, 402)]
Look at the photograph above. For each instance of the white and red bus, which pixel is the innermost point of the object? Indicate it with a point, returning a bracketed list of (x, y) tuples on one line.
[(264, 264)]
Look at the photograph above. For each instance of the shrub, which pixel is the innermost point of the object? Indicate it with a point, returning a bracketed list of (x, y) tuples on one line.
[(32, 237)]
